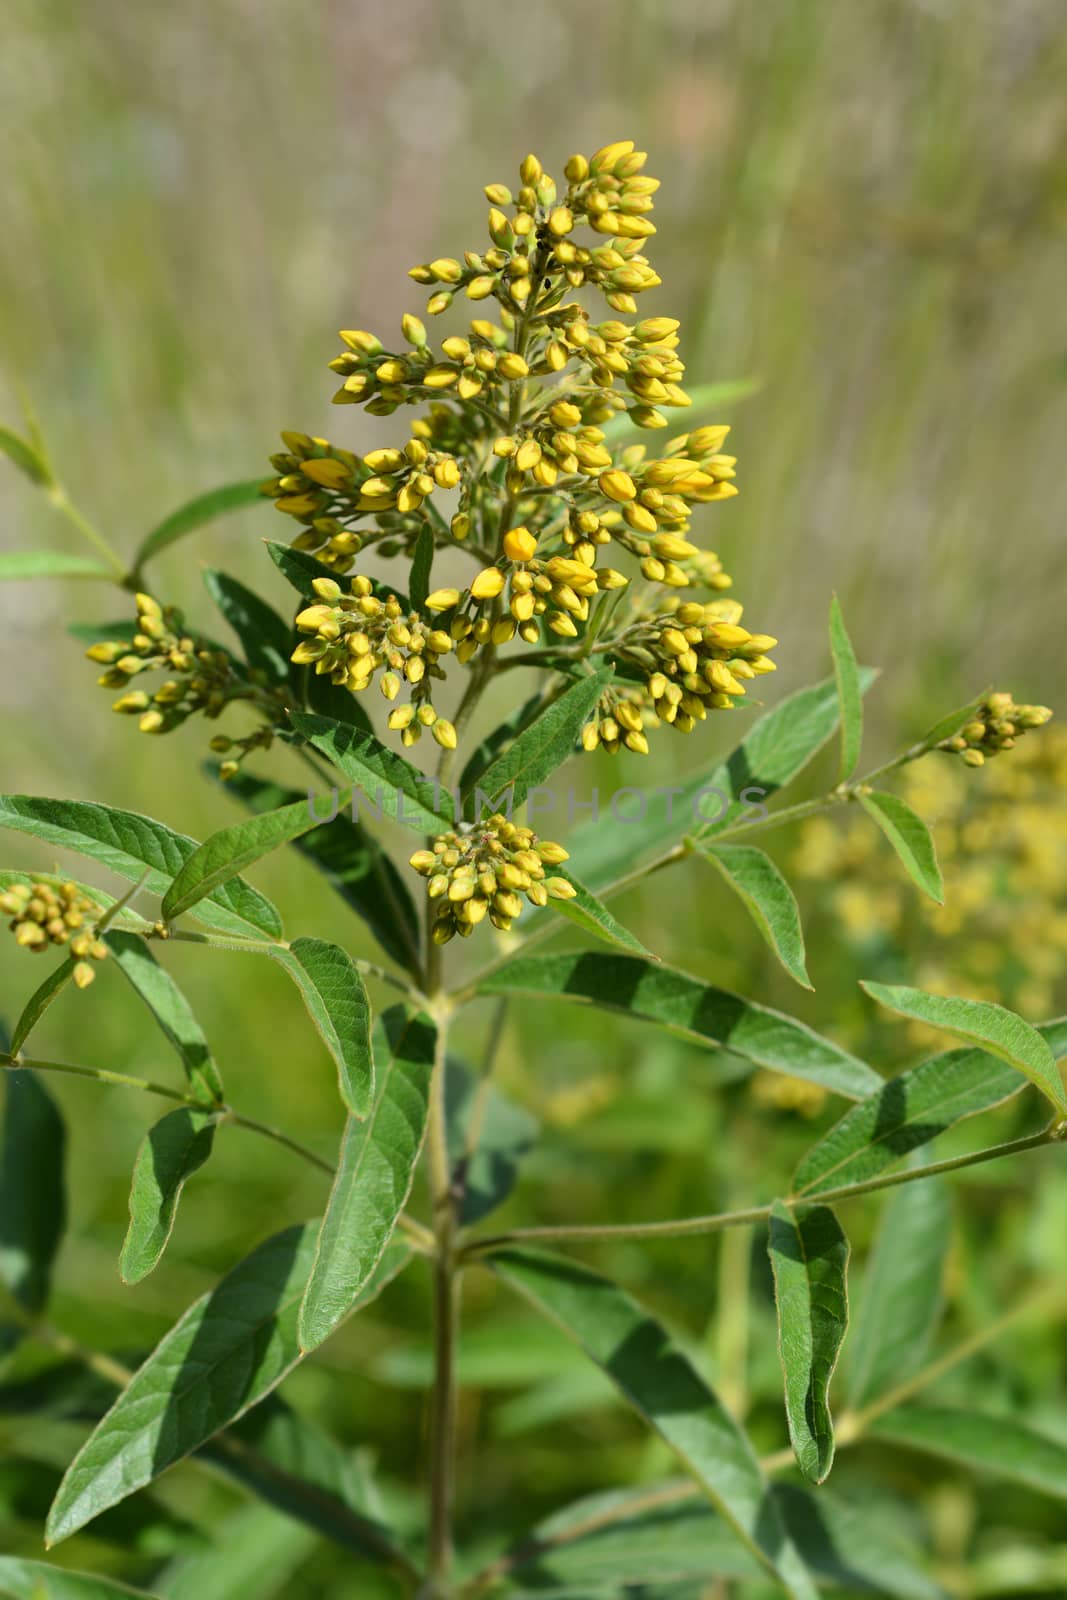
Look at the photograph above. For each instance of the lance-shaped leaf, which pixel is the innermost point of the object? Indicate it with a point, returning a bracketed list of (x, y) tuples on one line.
[(1000, 1446), (542, 746), (293, 1465), (665, 1532), (266, 638), (650, 992), (911, 1110), (374, 1176), (951, 724), (255, 1551), (127, 843), (301, 569), (19, 564), (910, 838), (653, 1375), (230, 1349), (421, 564), (903, 1289), (849, 692), (354, 863), (394, 787), (338, 1006), (980, 1022), (196, 513), (38, 1003), (592, 916), (767, 897), (488, 1135), (493, 743), (777, 746), (33, 1208), (809, 1258), (170, 1153), (36, 1580), (171, 1010), (26, 456), (226, 853)]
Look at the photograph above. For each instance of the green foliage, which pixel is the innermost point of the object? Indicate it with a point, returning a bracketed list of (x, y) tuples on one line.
[(910, 838), (849, 691), (338, 1006), (172, 1151), (374, 1177), (768, 899), (809, 1257), (33, 1204)]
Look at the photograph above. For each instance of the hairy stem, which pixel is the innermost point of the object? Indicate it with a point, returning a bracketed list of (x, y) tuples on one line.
[(714, 1223)]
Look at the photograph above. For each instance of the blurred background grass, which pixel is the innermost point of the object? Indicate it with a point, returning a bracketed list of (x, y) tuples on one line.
[(864, 208)]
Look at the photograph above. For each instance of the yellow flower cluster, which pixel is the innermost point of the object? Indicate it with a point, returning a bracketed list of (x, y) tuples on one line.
[(518, 462), (43, 914), (200, 678), (1002, 932), (353, 636), (694, 659), (485, 871), (997, 724)]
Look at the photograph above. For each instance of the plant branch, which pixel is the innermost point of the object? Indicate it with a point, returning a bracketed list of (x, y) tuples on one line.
[(716, 1222)]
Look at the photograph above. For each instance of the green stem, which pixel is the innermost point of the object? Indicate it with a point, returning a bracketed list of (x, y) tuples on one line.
[(58, 496), (716, 1222)]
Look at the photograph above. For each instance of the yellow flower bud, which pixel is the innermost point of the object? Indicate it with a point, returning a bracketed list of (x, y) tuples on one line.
[(442, 600), (617, 485), (488, 584), (519, 544), (446, 270)]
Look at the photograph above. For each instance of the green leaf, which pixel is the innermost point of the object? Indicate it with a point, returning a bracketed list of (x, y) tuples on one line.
[(33, 1206), (849, 692), (36, 1580), (171, 1152), (171, 1010), (301, 569), (266, 638), (494, 742), (374, 1176), (767, 897), (661, 1532), (501, 1132), (910, 838), (127, 843), (354, 863), (687, 1006), (17, 564), (338, 1006), (544, 745), (421, 565), (592, 916), (255, 1551), (1000, 1446), (653, 1375), (393, 786), (911, 1110), (778, 746), (294, 1466), (903, 1289), (226, 853), (980, 1022), (229, 1350), (809, 1257), (28, 460), (195, 513), (948, 726), (39, 1001)]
